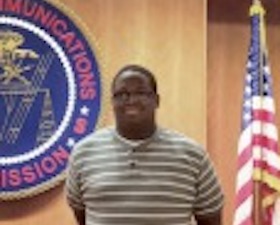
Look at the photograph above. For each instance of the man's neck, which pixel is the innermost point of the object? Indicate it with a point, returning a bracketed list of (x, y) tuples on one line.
[(136, 132)]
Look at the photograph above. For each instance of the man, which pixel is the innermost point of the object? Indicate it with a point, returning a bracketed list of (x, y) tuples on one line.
[(139, 173)]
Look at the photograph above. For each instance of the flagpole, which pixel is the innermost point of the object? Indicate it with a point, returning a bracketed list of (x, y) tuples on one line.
[(258, 209), (261, 94), (258, 188)]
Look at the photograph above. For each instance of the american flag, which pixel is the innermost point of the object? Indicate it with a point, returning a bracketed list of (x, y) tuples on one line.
[(258, 176)]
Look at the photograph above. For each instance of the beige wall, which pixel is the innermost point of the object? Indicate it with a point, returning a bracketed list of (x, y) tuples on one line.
[(167, 36)]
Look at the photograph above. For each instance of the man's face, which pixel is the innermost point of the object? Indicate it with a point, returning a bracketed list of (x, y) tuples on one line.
[(134, 100)]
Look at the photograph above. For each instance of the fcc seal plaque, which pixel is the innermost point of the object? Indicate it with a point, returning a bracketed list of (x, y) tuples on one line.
[(49, 94)]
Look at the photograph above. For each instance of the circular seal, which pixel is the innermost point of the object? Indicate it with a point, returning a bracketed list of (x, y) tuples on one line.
[(50, 95)]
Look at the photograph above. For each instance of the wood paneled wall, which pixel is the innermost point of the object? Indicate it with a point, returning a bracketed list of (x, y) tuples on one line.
[(168, 37)]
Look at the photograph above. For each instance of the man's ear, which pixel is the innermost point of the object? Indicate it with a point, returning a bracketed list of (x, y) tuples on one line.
[(157, 99)]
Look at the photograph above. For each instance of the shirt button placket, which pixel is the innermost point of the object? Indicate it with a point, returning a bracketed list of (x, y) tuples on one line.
[(132, 162)]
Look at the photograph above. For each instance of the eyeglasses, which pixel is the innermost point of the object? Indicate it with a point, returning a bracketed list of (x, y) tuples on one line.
[(138, 95)]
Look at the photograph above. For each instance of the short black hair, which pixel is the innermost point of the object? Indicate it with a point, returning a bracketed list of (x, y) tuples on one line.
[(139, 69)]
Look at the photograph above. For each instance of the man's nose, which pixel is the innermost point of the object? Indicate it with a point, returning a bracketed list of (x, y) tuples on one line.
[(132, 97)]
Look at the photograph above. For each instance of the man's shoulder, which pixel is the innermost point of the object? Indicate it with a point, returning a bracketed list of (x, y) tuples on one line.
[(174, 137), (96, 138), (91, 145)]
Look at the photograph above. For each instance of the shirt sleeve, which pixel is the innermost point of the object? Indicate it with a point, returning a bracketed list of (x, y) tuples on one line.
[(73, 184), (209, 198)]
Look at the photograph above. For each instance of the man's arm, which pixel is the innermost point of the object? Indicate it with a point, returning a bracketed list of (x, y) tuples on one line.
[(80, 216), (73, 191), (209, 199), (211, 219)]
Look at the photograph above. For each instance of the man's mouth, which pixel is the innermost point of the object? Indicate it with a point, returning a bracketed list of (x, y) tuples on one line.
[(132, 111)]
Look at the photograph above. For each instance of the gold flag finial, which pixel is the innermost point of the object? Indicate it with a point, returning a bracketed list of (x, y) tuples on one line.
[(257, 8)]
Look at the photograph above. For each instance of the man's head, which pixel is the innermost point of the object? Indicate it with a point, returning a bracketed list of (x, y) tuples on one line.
[(134, 97)]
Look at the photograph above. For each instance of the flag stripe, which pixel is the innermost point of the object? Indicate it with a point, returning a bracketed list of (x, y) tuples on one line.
[(244, 192), (263, 115), (243, 213), (244, 156), (245, 174)]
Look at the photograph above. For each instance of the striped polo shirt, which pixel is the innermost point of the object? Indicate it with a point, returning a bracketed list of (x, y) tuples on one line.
[(163, 180)]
